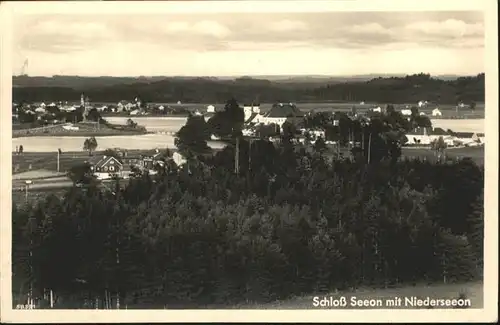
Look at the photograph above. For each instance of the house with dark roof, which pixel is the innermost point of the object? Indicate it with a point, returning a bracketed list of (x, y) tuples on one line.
[(149, 160), (106, 167), (279, 114)]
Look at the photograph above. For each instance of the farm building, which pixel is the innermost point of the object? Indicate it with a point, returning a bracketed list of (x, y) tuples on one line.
[(422, 103), (150, 159), (436, 112), (251, 110), (178, 159), (425, 136), (106, 167), (278, 114)]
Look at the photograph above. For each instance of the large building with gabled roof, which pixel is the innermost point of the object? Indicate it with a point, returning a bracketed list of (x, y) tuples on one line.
[(278, 114)]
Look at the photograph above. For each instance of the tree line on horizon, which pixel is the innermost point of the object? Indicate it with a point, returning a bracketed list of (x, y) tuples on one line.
[(289, 221), (409, 89)]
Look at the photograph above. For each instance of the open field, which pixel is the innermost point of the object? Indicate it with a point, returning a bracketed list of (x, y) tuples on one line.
[(475, 153), (460, 125), (36, 174), (44, 164), (473, 291), (153, 123), (19, 197)]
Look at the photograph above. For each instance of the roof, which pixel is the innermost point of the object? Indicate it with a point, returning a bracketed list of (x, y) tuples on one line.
[(284, 110), (420, 131), (154, 154), (251, 117), (101, 161), (439, 131), (463, 134)]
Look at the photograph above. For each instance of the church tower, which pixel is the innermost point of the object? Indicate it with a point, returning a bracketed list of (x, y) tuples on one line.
[(85, 105)]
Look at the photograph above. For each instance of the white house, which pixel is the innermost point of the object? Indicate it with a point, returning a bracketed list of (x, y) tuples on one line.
[(406, 112), (422, 103), (250, 110), (70, 127), (178, 159), (40, 110), (102, 108), (436, 112), (69, 108), (161, 108), (278, 114), (377, 109), (211, 109), (422, 114), (134, 112), (106, 167)]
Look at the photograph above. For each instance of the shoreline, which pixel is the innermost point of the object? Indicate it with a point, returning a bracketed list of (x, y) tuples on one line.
[(77, 134)]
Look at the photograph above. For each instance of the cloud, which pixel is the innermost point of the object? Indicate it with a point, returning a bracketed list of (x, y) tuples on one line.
[(204, 27), (238, 31), (448, 28), (288, 26), (63, 36), (211, 28), (371, 28)]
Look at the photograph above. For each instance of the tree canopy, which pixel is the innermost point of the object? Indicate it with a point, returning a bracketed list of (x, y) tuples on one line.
[(193, 136)]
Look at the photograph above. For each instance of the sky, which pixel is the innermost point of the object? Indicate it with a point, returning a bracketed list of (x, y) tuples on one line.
[(236, 44)]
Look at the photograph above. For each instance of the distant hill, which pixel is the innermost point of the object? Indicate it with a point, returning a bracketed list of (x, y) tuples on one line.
[(79, 82), (393, 89)]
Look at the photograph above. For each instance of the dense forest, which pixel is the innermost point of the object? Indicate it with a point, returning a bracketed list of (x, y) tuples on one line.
[(409, 89), (289, 220)]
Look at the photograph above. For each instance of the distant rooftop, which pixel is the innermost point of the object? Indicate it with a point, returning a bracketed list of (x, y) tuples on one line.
[(284, 110)]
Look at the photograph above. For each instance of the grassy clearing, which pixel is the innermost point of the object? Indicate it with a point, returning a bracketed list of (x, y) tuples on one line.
[(19, 197), (475, 153), (45, 163)]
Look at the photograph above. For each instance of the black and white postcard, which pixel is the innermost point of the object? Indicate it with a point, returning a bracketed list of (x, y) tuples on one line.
[(263, 161)]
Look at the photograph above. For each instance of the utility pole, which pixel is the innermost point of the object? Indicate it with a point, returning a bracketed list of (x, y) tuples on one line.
[(30, 294), (336, 123), (363, 138), (250, 154), (237, 156), (58, 154), (28, 182), (369, 146)]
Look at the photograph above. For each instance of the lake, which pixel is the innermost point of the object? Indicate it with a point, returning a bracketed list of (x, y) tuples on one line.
[(130, 142), (173, 124)]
